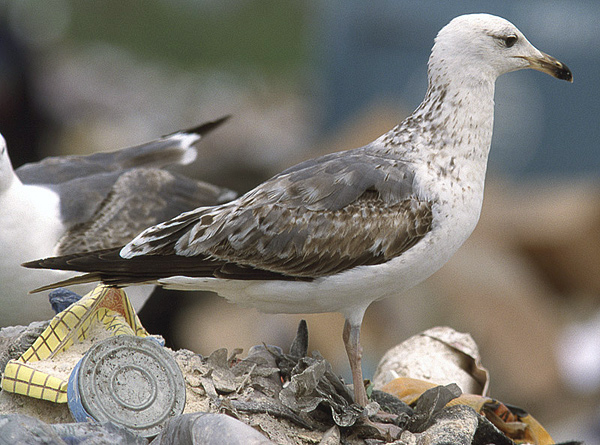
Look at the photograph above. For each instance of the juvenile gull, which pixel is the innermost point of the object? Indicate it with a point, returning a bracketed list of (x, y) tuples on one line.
[(71, 204), (341, 231)]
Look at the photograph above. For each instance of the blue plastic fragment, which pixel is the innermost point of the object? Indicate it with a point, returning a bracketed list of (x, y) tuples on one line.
[(74, 398), (62, 298)]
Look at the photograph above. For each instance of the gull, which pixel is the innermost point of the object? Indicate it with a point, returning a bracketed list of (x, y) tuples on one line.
[(335, 233), (70, 204)]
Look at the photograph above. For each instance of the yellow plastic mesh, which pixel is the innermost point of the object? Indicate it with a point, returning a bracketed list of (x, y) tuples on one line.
[(107, 305)]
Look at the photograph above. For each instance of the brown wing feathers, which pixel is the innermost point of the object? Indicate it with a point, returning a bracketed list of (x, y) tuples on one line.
[(320, 218), (335, 242)]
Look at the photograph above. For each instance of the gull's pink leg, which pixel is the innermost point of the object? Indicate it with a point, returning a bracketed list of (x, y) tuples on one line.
[(354, 351)]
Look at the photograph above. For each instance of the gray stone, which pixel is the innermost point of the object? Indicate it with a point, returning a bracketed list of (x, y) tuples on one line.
[(15, 340), (208, 429)]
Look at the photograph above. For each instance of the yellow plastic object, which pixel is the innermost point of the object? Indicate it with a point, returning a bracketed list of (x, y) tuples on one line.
[(514, 422), (105, 305)]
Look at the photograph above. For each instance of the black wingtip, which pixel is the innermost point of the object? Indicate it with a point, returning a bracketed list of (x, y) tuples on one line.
[(59, 263), (35, 264), (207, 127)]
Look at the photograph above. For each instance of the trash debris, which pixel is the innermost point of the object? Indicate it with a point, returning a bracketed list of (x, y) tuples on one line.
[(440, 355), (61, 298), (313, 383), (42, 371), (130, 381), (294, 398)]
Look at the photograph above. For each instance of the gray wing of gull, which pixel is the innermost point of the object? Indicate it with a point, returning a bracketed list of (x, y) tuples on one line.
[(167, 150), (84, 182), (318, 218), (138, 199)]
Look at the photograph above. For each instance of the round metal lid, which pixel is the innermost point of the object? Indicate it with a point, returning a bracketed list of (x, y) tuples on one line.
[(130, 381)]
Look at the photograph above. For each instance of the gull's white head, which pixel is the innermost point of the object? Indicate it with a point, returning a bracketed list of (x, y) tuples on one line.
[(481, 47)]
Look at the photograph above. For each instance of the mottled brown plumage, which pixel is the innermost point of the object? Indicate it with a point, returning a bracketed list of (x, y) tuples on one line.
[(266, 242), (127, 210)]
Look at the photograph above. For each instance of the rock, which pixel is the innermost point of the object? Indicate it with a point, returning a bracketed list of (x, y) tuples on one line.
[(455, 425), (17, 428), (208, 429), (21, 429), (14, 340)]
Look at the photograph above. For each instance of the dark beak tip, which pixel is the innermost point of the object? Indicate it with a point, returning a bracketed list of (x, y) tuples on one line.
[(570, 77), (564, 73), (567, 75)]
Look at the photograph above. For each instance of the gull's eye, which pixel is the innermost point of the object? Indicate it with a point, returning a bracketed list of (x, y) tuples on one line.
[(510, 41)]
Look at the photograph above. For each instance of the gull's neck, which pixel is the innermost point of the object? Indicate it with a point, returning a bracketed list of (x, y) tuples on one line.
[(455, 120)]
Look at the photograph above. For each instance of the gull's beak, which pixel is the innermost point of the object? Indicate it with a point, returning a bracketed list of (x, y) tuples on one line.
[(549, 65)]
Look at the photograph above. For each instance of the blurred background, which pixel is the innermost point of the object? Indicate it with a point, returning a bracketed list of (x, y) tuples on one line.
[(309, 77)]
